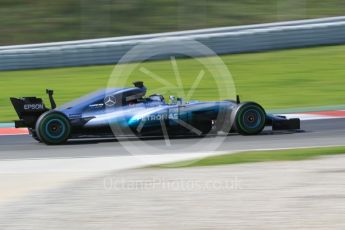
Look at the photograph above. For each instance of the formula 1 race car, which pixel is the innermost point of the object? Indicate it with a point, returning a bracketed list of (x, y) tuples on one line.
[(126, 111)]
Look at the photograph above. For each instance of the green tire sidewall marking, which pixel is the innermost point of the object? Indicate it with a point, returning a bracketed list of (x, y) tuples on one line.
[(239, 116), (46, 120)]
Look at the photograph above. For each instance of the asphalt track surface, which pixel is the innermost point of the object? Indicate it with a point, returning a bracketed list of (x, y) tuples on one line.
[(328, 132)]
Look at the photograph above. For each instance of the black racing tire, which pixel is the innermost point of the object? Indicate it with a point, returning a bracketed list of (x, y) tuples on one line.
[(53, 128), (33, 134), (248, 118)]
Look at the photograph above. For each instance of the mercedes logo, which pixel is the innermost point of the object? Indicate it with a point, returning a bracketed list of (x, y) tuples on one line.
[(109, 101)]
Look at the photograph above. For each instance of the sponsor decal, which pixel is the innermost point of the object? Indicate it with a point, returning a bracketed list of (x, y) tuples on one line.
[(158, 117), (74, 116), (33, 107), (96, 106), (109, 101)]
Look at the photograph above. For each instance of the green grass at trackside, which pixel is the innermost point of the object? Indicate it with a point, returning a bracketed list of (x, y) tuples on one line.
[(46, 21), (279, 79), (258, 156)]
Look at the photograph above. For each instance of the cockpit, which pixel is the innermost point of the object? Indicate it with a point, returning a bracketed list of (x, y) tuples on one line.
[(156, 98), (137, 95)]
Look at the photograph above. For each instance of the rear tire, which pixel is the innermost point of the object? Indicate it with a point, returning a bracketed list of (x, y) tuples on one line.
[(53, 128), (248, 118)]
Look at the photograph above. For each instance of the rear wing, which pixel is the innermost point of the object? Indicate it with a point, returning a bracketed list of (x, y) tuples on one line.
[(29, 109)]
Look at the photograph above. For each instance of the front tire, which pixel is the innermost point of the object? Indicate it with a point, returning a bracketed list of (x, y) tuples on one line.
[(53, 128), (249, 118)]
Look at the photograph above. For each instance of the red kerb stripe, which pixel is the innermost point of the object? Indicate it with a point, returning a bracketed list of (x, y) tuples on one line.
[(340, 113), (13, 131)]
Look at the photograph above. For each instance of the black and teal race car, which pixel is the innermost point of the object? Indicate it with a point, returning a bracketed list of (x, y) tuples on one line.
[(123, 112)]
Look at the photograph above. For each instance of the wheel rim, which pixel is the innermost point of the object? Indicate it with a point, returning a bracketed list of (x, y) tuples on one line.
[(251, 119), (55, 128)]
